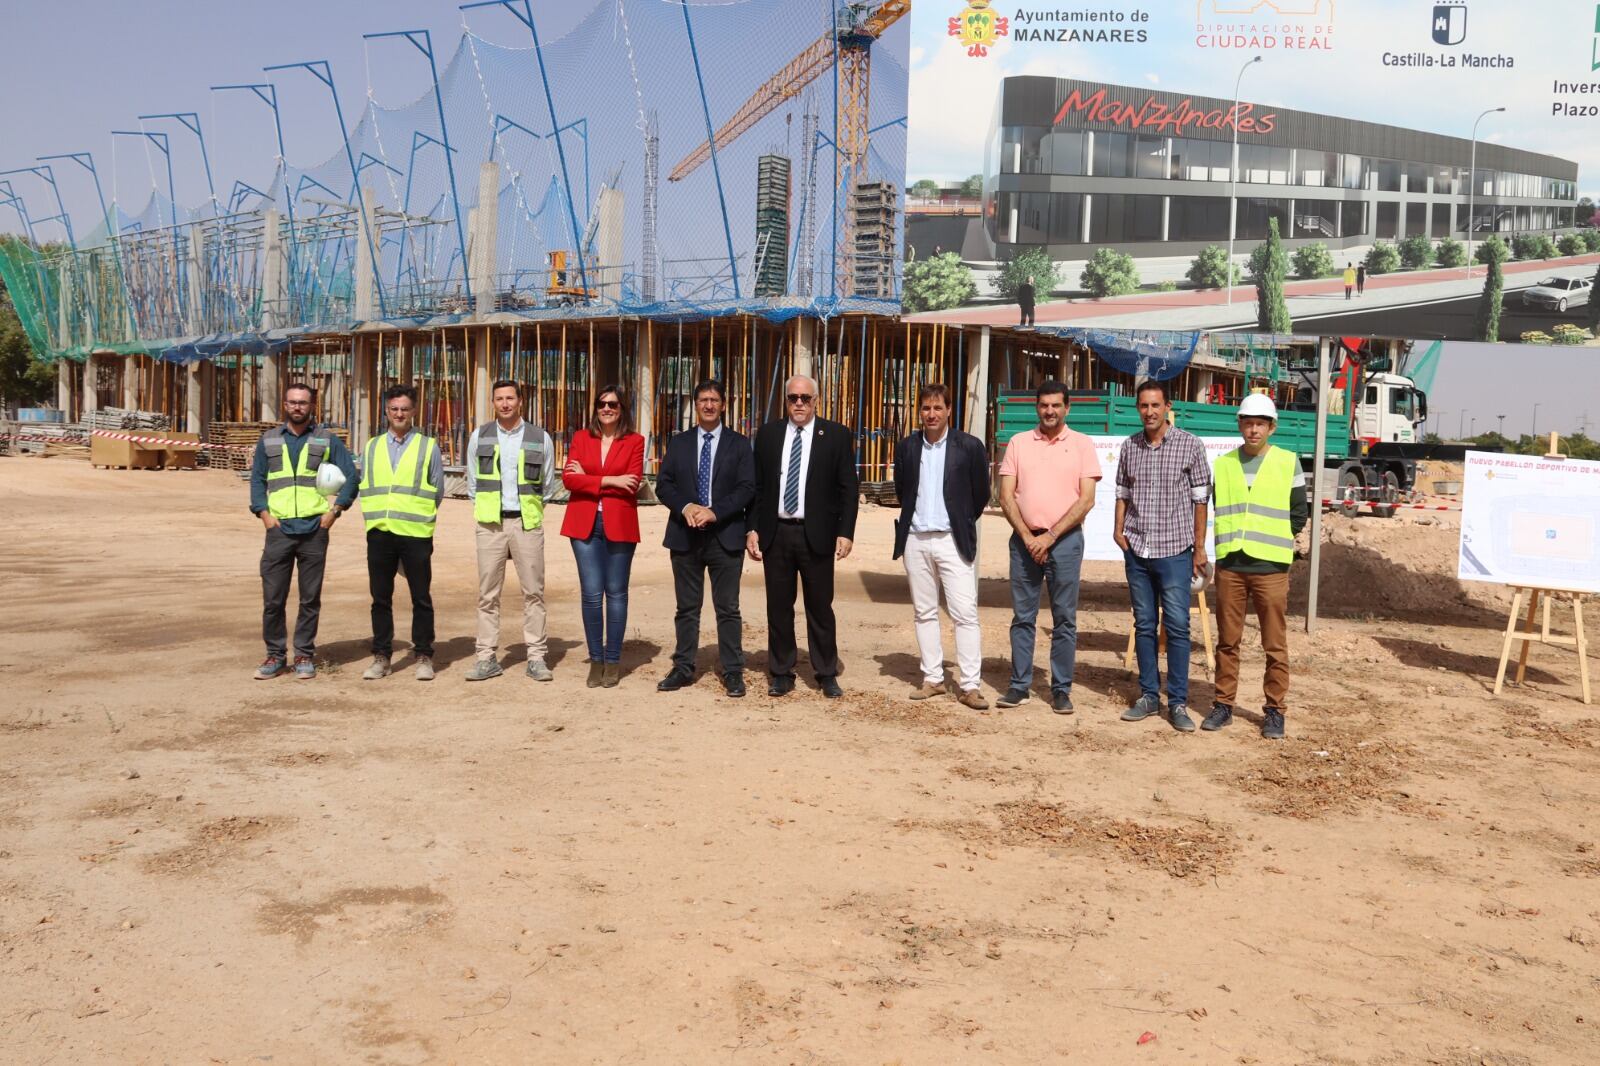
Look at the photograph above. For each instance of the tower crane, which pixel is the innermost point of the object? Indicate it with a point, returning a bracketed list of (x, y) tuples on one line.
[(857, 24)]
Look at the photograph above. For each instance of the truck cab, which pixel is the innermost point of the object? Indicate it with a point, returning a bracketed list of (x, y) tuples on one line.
[(1389, 410)]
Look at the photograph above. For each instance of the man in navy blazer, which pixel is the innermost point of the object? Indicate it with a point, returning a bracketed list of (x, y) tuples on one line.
[(707, 480), (941, 477)]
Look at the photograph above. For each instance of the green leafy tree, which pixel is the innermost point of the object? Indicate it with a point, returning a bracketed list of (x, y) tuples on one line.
[(1533, 246), (1570, 244), (1312, 261), (1272, 310), (937, 283), (1585, 209), (1493, 250), (973, 186), (1591, 239), (1109, 273), (1487, 325), (925, 187), (1382, 258), (25, 380), (1450, 253), (1034, 263), (1416, 251), (1209, 270)]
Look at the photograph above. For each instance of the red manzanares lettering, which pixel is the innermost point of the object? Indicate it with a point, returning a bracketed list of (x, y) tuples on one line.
[(1152, 114)]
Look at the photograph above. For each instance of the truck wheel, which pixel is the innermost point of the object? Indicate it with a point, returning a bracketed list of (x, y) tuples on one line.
[(1385, 510), (1391, 487), (1350, 489)]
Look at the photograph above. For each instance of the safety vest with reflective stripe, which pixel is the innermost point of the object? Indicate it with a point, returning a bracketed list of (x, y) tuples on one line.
[(292, 487), (530, 475), (400, 498), (1254, 518)]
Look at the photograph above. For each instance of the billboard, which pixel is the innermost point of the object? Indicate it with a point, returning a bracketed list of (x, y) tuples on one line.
[(1366, 168)]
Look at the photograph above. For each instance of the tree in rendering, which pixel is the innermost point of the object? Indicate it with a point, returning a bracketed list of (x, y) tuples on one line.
[(1487, 326), (973, 186), (937, 283), (1313, 261), (1416, 251), (1450, 253), (1109, 273), (1209, 270), (1034, 263), (1383, 258), (924, 188), (1272, 310)]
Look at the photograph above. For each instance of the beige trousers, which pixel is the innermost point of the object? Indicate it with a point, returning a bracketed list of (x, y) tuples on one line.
[(497, 543)]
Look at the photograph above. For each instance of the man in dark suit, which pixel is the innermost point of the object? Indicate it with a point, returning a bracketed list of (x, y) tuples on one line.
[(941, 477), (707, 480), (802, 520)]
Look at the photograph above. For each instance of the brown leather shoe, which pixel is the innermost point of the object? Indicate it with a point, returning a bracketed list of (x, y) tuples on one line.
[(610, 674), (926, 691), (973, 698), (596, 672)]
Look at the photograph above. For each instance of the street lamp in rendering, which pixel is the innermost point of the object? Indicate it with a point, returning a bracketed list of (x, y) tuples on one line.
[(1472, 182), (1233, 175)]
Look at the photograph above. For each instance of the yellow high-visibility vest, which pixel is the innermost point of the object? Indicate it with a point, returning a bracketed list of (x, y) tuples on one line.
[(292, 487), (530, 475), (1254, 518), (400, 498)]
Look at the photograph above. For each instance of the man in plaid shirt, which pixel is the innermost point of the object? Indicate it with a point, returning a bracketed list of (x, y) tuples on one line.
[(1163, 483)]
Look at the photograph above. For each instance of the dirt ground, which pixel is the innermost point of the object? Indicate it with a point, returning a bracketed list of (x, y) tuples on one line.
[(199, 867)]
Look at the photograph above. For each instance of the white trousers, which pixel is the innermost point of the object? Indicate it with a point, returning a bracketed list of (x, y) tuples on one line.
[(933, 563)]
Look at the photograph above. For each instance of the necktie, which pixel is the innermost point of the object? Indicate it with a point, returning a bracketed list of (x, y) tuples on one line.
[(703, 481), (791, 488)]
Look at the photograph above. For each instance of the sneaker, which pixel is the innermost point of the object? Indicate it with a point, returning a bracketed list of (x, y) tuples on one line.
[(927, 691), (483, 670), (1061, 703), (974, 699), (1178, 715), (378, 669), (1221, 714), (424, 668), (1014, 697), (1142, 708), (1272, 723), (270, 667), (305, 667), (538, 671)]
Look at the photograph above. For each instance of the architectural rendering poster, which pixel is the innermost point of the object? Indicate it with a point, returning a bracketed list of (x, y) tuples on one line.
[(1528, 520), (1394, 168)]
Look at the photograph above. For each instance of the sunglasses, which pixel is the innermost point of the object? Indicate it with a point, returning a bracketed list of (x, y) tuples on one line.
[(607, 405), (800, 397)]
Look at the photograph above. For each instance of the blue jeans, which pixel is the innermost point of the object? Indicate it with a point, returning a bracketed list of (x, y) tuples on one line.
[(1028, 578), (1164, 584), (603, 567)]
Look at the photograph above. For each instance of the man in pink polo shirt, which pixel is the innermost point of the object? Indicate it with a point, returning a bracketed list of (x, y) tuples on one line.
[(1046, 489)]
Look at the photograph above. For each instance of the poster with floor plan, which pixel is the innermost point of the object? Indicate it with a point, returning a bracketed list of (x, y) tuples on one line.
[(1527, 520)]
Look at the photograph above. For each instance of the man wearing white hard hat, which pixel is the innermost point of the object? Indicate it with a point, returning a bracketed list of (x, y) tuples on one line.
[(1260, 495), (1163, 485), (285, 476)]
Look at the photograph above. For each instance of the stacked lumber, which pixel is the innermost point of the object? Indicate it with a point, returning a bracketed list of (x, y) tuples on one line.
[(880, 492), (69, 440), (240, 439), (120, 418)]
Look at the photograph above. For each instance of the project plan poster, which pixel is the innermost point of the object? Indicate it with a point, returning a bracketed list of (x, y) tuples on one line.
[(1527, 520), (1054, 136)]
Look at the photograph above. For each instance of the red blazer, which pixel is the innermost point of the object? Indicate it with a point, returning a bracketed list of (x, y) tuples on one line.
[(622, 508)]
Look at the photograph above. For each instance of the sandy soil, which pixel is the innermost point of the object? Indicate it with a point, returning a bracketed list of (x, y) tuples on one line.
[(198, 867)]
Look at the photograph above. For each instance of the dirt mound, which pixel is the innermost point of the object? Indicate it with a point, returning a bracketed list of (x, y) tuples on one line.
[(924, 716), (1336, 770)]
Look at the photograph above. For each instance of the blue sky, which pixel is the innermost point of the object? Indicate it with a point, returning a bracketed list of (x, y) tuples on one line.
[(952, 94), (1486, 380)]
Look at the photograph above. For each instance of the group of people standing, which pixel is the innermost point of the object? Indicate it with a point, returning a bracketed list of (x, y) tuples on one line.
[(788, 499)]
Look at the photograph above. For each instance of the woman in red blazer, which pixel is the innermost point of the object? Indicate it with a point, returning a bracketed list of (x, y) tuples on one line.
[(604, 467)]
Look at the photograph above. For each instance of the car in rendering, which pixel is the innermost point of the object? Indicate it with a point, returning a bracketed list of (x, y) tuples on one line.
[(1557, 294)]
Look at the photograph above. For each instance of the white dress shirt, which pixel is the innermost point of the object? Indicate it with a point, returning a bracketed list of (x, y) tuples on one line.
[(931, 515), (807, 432)]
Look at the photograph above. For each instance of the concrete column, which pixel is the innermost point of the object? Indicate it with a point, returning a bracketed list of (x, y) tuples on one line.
[(977, 399), (482, 401), (194, 397), (90, 399), (1338, 217), (64, 370), (366, 273), (805, 344), (485, 227), (1166, 218), (645, 389), (274, 308), (130, 383), (606, 271), (64, 319), (1088, 207), (195, 323), (363, 379), (271, 388), (1290, 227)]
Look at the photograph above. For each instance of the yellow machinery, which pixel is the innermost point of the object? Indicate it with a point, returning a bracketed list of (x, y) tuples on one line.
[(561, 290)]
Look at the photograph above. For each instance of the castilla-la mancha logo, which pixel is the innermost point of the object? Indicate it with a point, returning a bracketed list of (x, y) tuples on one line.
[(978, 28)]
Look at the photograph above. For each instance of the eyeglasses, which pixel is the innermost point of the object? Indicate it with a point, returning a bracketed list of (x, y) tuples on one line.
[(800, 397), (608, 405)]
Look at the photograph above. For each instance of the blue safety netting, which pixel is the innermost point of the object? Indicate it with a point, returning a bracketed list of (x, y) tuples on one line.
[(1156, 355)]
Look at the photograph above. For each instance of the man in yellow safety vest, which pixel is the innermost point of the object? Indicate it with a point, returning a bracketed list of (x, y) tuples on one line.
[(283, 494), (402, 482), (1260, 497), (510, 468)]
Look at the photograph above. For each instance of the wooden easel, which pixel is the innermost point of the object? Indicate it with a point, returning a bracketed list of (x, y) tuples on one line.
[(1528, 636), (1129, 657)]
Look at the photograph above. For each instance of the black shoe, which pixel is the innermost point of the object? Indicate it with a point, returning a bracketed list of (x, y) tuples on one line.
[(1061, 703), (1178, 715), (674, 681), (1221, 714), (733, 684), (1014, 697), (1272, 723), (780, 685), (830, 687)]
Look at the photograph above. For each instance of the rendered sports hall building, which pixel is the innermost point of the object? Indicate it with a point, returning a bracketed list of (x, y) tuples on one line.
[(1073, 166)]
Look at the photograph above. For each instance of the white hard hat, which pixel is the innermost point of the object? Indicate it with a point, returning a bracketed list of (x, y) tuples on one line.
[(330, 479), (1258, 405)]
